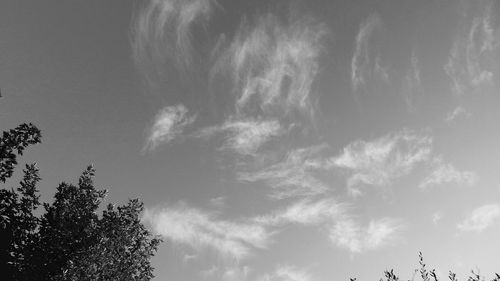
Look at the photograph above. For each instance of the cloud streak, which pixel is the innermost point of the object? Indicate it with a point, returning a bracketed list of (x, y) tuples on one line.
[(273, 65), (350, 235), (468, 59), (244, 136), (361, 65), (306, 212), (162, 32), (168, 125), (382, 160), (413, 82), (292, 177), (444, 173), (288, 273), (202, 230), (481, 218), (456, 114), (437, 217)]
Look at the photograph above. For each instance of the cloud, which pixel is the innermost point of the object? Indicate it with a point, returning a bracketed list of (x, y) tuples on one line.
[(168, 125), (245, 136), (188, 257), (361, 64), (457, 113), (381, 232), (481, 218), (293, 176), (242, 273), (344, 231), (236, 273), (454, 70), (201, 230), (415, 69), (306, 212), (273, 65), (413, 82), (468, 59), (477, 74), (381, 71), (437, 217), (446, 173), (227, 273), (162, 32), (219, 201), (350, 235), (288, 273), (346, 234), (380, 161)]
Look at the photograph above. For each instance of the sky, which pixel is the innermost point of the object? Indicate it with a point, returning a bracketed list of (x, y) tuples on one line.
[(272, 140)]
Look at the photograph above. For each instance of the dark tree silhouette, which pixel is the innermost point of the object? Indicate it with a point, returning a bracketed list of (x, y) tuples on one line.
[(16, 141), (69, 241)]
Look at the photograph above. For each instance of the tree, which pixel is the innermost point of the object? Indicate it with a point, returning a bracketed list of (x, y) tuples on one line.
[(17, 222), (69, 241), (16, 140)]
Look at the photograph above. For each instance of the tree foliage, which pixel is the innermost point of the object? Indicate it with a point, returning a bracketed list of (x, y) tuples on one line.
[(16, 141), (69, 241)]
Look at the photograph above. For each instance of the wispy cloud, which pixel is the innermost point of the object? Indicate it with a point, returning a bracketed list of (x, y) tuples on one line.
[(234, 272), (188, 257), (454, 70), (361, 65), (203, 230), (288, 273), (245, 136), (382, 160), (306, 212), (481, 218), (468, 59), (381, 70), (346, 234), (443, 173), (168, 125), (413, 82), (458, 112), (350, 235), (437, 217), (415, 69), (481, 27), (293, 176), (273, 65), (242, 273), (162, 32), (218, 202)]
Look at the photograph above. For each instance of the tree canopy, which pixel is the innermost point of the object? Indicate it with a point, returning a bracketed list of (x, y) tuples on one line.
[(69, 240)]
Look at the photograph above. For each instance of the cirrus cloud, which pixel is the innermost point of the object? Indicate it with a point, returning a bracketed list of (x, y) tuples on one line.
[(273, 65), (168, 125), (294, 176), (350, 235), (469, 58), (288, 273), (382, 160), (162, 32), (481, 218), (443, 173), (306, 212), (361, 65), (203, 230), (244, 136)]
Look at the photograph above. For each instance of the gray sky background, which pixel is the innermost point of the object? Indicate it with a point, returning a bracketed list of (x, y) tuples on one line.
[(272, 140)]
